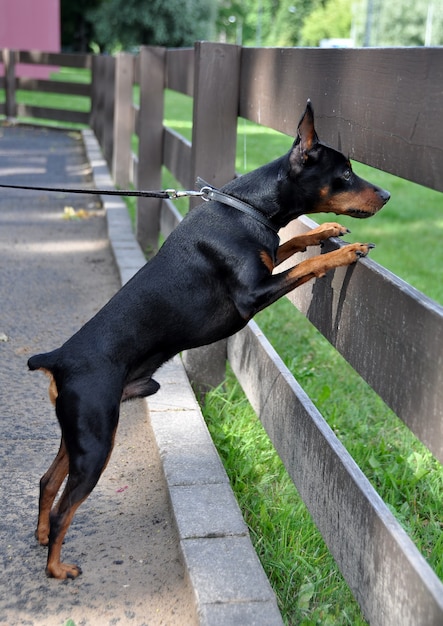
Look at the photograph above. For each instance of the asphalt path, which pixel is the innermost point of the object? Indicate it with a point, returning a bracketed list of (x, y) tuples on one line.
[(56, 271)]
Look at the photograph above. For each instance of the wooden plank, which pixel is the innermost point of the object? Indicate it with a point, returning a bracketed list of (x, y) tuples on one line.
[(54, 58), (380, 106), (137, 69), (214, 131), (177, 156), (390, 579), (46, 113), (10, 59), (123, 120), (136, 118), (388, 331), (150, 147), (170, 218), (214, 140), (134, 170), (180, 70), (54, 86)]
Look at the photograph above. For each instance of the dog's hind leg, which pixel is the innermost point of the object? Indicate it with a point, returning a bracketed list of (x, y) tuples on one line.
[(89, 432), (84, 474), (50, 483)]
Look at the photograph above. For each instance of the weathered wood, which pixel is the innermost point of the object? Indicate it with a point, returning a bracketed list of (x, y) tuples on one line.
[(388, 331), (102, 103), (54, 86), (177, 156), (55, 58), (123, 118), (170, 218), (9, 60), (369, 102), (214, 131), (214, 141), (108, 86), (150, 150), (390, 579), (47, 113), (180, 70)]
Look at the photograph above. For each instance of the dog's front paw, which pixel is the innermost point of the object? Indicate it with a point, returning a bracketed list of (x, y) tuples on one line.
[(333, 229), (356, 251), (327, 230)]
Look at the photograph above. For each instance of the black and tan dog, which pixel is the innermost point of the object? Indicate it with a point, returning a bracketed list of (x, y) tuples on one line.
[(212, 275)]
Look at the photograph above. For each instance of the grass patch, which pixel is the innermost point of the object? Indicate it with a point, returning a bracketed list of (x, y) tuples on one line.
[(57, 101)]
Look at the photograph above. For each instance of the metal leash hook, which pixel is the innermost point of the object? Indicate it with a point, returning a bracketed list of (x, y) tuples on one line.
[(174, 194)]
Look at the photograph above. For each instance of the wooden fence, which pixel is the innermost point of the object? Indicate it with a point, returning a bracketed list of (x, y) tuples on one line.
[(383, 108)]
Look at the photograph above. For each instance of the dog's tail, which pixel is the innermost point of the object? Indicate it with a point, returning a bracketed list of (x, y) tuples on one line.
[(45, 361)]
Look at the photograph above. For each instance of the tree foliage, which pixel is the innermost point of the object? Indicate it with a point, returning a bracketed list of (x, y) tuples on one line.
[(127, 24), (398, 22), (76, 29), (330, 20)]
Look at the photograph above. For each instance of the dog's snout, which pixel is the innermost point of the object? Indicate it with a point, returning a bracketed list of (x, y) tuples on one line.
[(384, 195)]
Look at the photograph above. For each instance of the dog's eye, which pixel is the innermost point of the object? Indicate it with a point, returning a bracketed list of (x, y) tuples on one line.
[(347, 174)]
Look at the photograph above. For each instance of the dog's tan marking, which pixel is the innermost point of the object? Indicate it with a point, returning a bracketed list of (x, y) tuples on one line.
[(53, 391), (314, 237), (266, 258)]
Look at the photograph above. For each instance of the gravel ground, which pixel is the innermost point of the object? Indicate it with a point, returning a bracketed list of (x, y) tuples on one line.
[(56, 270)]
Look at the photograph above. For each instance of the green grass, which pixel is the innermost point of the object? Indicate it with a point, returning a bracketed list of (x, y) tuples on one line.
[(309, 587)]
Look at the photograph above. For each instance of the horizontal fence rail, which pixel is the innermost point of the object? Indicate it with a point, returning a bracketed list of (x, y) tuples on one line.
[(380, 106), (11, 83)]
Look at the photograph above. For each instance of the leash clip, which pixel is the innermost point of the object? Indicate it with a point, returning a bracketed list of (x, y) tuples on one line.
[(206, 193), (173, 194)]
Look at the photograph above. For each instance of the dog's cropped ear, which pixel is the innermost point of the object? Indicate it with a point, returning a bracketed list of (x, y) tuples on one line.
[(306, 140)]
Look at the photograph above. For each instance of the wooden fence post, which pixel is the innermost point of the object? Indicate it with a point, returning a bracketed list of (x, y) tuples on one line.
[(102, 107), (150, 149), (9, 58), (123, 118), (214, 139)]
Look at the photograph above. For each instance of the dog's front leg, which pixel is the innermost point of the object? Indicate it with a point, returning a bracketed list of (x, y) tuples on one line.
[(314, 237), (278, 285)]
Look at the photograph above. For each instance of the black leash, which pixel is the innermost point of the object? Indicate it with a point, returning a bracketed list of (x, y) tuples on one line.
[(206, 193), (166, 194)]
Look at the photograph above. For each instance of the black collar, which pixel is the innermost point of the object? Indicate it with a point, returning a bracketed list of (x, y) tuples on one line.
[(210, 193)]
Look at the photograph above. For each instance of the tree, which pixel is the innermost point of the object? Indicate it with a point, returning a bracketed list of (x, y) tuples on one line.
[(331, 20), (127, 24), (76, 30), (288, 22), (398, 22)]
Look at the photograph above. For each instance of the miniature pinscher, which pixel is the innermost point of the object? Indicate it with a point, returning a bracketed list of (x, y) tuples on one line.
[(210, 277)]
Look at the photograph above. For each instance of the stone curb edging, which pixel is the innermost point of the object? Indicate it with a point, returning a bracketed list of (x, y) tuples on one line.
[(229, 583)]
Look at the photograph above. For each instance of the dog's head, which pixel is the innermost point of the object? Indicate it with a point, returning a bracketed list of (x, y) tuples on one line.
[(324, 178)]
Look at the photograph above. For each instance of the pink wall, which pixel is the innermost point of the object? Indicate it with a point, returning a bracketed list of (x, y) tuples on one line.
[(30, 25)]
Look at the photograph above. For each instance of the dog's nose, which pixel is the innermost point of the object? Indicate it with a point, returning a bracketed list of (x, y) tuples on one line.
[(384, 195)]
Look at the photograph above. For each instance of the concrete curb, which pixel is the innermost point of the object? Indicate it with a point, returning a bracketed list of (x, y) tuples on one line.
[(229, 583)]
